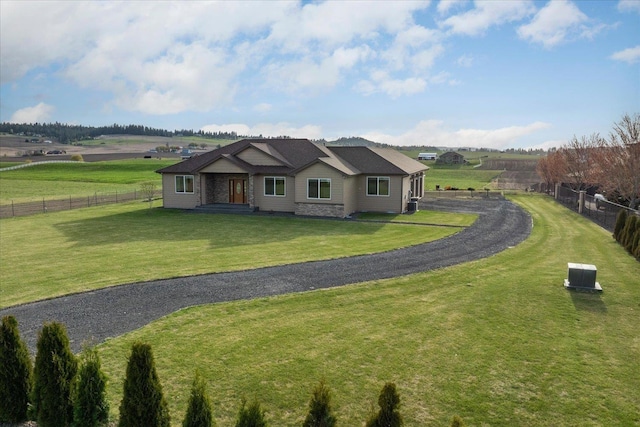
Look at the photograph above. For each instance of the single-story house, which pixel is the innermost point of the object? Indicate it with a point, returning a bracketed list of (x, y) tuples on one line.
[(296, 176), (451, 158)]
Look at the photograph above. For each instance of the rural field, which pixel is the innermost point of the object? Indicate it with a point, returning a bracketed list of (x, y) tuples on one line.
[(497, 341)]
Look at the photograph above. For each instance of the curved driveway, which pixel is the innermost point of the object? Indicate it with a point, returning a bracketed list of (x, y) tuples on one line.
[(113, 311)]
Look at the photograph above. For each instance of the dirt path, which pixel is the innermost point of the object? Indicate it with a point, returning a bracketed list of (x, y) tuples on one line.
[(114, 311)]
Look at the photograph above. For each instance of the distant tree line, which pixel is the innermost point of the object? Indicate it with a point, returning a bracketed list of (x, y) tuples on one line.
[(67, 133)]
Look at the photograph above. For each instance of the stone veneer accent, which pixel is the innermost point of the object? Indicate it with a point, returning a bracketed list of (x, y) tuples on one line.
[(320, 209)]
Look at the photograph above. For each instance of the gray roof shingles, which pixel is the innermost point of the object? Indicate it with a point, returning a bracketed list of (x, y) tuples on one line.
[(299, 153)]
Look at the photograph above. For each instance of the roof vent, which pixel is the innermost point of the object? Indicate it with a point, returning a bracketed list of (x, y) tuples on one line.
[(582, 277)]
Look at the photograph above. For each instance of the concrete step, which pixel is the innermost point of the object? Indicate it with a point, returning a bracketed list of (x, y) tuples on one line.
[(227, 208)]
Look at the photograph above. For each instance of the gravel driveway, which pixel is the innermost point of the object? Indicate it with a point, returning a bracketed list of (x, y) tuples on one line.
[(113, 311)]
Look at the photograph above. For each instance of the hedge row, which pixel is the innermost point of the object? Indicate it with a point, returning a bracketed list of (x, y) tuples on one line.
[(627, 232), (63, 390)]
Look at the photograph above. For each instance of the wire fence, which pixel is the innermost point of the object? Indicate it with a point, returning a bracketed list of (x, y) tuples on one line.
[(55, 205), (602, 212)]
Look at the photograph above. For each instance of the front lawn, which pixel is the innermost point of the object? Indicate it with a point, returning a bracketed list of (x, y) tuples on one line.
[(498, 341), (59, 253)]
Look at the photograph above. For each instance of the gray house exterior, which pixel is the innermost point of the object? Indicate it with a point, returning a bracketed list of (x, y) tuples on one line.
[(295, 176)]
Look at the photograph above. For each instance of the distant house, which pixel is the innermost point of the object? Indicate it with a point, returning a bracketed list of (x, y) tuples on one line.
[(451, 158), (427, 156), (296, 176)]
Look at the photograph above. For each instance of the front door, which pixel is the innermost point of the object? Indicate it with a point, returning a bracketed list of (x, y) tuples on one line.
[(237, 191)]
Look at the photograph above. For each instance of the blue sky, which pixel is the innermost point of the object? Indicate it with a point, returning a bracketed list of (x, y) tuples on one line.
[(499, 74)]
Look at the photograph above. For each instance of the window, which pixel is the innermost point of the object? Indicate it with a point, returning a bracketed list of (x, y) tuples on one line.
[(184, 183), (274, 186), (377, 186), (318, 188)]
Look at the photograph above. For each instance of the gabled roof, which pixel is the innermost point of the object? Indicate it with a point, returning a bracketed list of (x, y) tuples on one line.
[(298, 154), (379, 160)]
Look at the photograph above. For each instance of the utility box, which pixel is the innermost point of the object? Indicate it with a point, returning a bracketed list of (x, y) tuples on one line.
[(582, 277)]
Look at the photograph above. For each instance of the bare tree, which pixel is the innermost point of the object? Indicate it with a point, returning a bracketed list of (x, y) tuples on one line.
[(552, 169), (148, 190), (579, 159), (619, 160)]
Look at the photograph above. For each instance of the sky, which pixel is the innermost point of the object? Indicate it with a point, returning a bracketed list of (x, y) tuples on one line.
[(457, 73)]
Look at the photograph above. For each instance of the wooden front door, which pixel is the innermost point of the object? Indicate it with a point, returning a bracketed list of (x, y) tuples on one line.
[(237, 191)]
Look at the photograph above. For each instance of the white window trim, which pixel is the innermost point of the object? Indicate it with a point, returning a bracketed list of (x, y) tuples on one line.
[(319, 181), (378, 178), (284, 180), (184, 184)]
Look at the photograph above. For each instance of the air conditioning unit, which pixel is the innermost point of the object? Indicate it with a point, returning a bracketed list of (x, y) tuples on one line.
[(582, 277)]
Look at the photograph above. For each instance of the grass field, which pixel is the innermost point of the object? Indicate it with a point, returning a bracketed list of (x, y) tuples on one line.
[(60, 180), (462, 177), (498, 341), (72, 251)]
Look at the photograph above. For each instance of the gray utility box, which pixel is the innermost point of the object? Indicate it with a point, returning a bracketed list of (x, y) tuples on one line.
[(582, 276)]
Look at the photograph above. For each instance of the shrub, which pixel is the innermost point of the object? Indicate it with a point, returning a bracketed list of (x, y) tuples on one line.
[(16, 373), (388, 416), (635, 246), (621, 220), (252, 416), (143, 403), (90, 405), (77, 158), (627, 231), (199, 413), (320, 413), (457, 421), (54, 373), (633, 228)]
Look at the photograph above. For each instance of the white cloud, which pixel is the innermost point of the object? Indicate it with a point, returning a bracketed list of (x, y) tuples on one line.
[(465, 61), (487, 14), (445, 5), (554, 23), (263, 107), (629, 6), (38, 113), (268, 130), (381, 82), (307, 74), (630, 55), (434, 133)]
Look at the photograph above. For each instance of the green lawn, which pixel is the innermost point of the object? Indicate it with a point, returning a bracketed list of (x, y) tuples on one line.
[(61, 180), (497, 341), (422, 217), (461, 177), (90, 248)]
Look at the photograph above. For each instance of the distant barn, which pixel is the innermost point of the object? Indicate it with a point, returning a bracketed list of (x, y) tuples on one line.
[(451, 158)]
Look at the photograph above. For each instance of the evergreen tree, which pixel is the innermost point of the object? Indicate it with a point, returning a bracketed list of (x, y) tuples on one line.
[(320, 413), (199, 413), (388, 416), (627, 231), (54, 373), (621, 220), (15, 373), (142, 403), (633, 228), (252, 416), (90, 404)]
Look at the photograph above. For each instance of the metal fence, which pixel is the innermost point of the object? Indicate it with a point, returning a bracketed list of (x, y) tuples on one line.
[(601, 212), (54, 205)]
